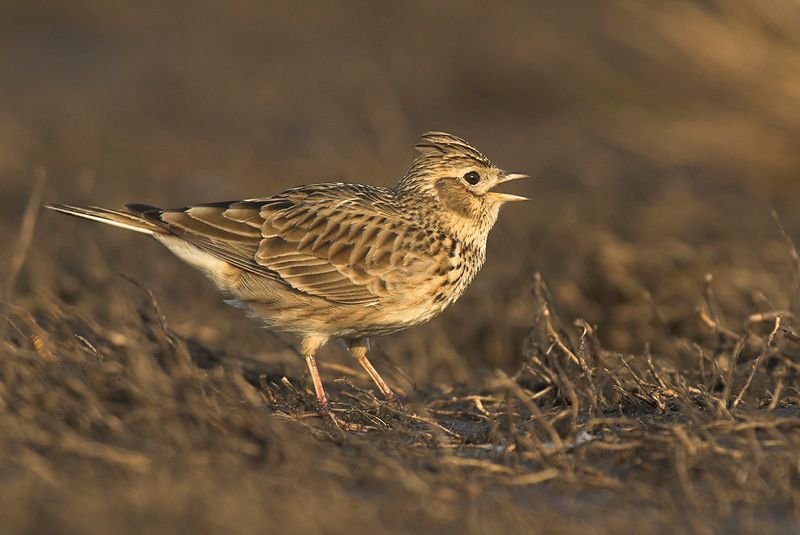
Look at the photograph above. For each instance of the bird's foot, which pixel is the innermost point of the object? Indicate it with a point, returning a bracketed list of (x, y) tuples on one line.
[(326, 412)]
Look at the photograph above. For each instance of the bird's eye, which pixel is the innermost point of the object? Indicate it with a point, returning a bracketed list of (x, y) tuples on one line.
[(472, 178)]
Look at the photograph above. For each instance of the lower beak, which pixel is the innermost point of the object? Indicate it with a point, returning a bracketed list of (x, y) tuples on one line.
[(508, 197)]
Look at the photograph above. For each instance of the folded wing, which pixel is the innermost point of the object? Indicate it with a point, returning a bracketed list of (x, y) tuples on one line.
[(332, 242)]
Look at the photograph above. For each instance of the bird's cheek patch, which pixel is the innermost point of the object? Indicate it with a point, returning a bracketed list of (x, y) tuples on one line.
[(456, 199)]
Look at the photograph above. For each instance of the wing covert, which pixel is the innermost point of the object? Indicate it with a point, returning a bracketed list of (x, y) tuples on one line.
[(327, 240)]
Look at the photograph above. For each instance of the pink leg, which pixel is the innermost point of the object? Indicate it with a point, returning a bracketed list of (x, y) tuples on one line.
[(359, 348), (322, 398), (309, 347)]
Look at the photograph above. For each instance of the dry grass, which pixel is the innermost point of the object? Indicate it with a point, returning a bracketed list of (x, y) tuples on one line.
[(138, 426), (645, 380)]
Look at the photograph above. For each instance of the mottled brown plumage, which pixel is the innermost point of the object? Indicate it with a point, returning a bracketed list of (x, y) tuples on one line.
[(341, 260)]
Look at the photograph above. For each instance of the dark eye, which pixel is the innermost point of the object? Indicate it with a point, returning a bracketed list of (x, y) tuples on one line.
[(472, 178)]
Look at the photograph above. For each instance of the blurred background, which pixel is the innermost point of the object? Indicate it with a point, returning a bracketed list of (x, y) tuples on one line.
[(661, 136)]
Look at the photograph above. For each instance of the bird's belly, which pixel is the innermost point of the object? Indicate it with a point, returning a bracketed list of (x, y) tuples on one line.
[(407, 310), (308, 315), (281, 308), (346, 321)]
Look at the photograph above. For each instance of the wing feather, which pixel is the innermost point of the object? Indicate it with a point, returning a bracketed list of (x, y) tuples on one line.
[(337, 242)]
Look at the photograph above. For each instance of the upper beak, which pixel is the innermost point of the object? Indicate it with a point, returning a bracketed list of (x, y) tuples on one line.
[(508, 197)]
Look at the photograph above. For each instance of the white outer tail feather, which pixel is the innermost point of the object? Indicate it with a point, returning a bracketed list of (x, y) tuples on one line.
[(102, 215)]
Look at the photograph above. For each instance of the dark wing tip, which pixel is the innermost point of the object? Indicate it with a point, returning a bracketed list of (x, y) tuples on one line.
[(139, 209)]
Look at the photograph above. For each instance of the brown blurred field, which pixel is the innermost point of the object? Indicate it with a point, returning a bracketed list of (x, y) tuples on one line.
[(647, 380)]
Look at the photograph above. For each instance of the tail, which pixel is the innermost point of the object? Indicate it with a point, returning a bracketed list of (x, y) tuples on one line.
[(130, 219)]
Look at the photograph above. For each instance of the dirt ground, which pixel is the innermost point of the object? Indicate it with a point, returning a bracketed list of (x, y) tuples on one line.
[(627, 361)]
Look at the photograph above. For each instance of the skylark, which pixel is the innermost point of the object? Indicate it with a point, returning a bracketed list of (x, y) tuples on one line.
[(337, 260)]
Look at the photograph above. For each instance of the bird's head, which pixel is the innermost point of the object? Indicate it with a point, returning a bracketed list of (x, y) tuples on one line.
[(460, 178)]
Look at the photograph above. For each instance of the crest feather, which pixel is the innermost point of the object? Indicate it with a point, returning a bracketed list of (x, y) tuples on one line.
[(444, 145)]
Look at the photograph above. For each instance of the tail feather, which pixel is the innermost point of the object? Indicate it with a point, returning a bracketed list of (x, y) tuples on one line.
[(127, 220)]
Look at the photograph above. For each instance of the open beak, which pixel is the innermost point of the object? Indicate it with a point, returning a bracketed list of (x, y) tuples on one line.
[(508, 197)]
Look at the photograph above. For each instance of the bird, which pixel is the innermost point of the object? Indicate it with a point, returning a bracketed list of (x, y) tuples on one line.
[(338, 260)]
